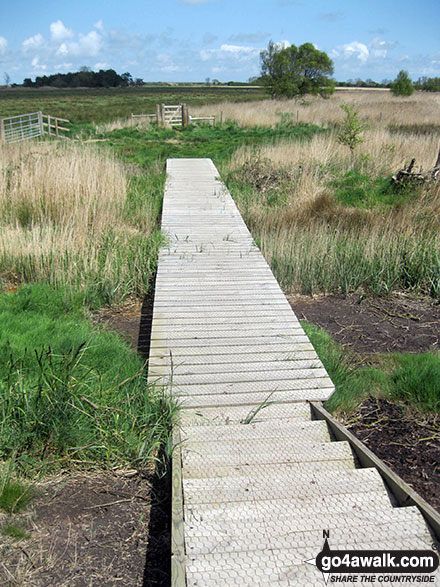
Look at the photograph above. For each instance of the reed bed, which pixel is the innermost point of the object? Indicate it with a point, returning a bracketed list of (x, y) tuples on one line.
[(380, 108), (72, 215), (288, 195)]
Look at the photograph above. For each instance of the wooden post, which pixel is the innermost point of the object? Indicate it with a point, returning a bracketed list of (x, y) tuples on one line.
[(56, 126), (2, 130), (48, 124), (185, 115), (40, 122), (158, 114), (162, 114)]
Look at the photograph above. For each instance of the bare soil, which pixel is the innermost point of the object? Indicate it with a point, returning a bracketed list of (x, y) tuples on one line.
[(95, 528)]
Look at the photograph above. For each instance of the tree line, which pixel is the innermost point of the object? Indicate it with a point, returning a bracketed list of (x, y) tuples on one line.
[(85, 78)]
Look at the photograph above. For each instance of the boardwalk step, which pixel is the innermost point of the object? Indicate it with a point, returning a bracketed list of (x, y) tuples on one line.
[(276, 486), (262, 451), (284, 429), (234, 415)]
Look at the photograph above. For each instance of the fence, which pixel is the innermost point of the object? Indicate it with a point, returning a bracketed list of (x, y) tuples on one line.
[(28, 126), (172, 115)]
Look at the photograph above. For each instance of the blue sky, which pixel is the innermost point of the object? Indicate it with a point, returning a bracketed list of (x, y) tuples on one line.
[(191, 40)]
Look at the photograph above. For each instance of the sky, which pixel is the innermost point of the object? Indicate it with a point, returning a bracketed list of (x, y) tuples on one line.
[(192, 40)]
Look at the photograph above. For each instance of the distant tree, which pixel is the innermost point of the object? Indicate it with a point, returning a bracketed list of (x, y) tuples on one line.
[(138, 81), (402, 85), (28, 83), (294, 71), (127, 79)]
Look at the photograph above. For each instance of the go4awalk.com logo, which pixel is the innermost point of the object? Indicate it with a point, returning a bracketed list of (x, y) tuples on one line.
[(375, 566)]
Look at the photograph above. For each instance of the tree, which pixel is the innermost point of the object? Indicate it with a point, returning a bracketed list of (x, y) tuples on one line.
[(351, 129), (295, 71), (402, 85)]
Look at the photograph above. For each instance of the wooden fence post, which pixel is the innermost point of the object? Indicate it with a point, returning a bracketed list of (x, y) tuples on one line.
[(185, 117), (158, 114), (162, 115), (40, 122), (2, 130)]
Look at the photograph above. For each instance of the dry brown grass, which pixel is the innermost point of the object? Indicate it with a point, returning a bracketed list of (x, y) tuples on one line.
[(62, 215), (316, 243), (379, 108)]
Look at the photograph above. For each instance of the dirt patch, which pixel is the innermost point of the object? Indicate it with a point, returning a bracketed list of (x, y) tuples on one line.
[(408, 442), (91, 529), (397, 323)]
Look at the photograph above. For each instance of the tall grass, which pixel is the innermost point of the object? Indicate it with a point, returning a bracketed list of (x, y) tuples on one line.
[(71, 215), (380, 108), (325, 228)]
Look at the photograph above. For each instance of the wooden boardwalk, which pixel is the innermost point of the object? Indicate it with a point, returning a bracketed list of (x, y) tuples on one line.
[(254, 488)]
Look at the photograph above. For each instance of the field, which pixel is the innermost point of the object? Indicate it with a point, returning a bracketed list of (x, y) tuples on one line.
[(105, 105), (358, 257)]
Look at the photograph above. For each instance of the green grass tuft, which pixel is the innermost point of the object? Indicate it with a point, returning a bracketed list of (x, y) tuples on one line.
[(14, 495)]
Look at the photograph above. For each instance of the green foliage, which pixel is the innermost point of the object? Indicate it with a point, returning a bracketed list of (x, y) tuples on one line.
[(417, 380), (402, 85), (84, 107), (14, 495), (351, 129), (428, 84), (147, 146), (351, 385), (362, 191), (69, 391), (412, 378), (14, 530), (295, 71)]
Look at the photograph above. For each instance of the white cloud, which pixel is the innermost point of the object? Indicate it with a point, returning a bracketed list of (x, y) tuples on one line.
[(38, 67), (228, 52), (3, 45), (379, 48), (101, 65), (282, 45), (34, 43), (89, 45), (99, 26), (237, 49), (354, 49), (59, 32)]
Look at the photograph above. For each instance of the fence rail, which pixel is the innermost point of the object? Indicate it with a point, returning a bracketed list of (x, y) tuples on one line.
[(22, 127)]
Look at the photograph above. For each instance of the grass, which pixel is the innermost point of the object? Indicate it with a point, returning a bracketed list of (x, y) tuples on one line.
[(14, 495), (412, 378), (86, 106), (14, 530), (326, 228), (73, 215), (69, 393), (148, 145)]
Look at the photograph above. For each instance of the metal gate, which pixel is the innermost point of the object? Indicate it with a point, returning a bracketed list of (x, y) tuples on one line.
[(21, 127)]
